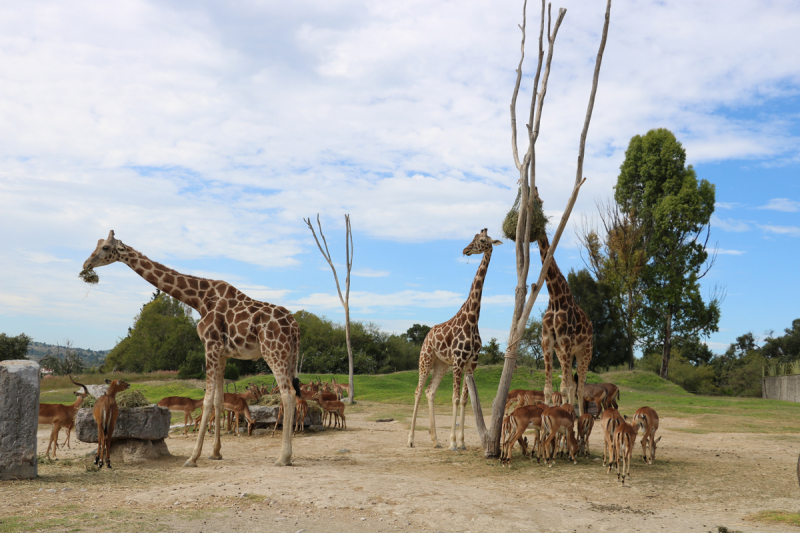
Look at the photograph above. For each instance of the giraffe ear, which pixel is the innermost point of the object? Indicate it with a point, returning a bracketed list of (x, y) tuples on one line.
[(496, 243)]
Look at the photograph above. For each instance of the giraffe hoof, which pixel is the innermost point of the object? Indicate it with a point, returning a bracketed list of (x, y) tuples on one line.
[(215, 457), (453, 448), (462, 448), (438, 446), (189, 463), (281, 462)]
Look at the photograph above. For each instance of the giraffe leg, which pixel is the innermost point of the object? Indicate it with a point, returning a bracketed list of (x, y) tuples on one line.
[(219, 410), (287, 399), (464, 393), (548, 349), (439, 368), (565, 358), (424, 369), (457, 375), (583, 368)]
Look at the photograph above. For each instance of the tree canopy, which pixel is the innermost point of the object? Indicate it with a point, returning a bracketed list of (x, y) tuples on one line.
[(675, 209), (13, 347)]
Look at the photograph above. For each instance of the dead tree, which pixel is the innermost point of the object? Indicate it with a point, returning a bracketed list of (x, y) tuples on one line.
[(346, 299), (523, 301)]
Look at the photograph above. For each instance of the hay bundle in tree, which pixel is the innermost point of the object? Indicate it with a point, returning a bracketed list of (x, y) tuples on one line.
[(538, 222)]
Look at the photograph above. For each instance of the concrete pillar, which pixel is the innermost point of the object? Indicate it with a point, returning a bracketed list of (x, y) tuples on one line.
[(19, 418)]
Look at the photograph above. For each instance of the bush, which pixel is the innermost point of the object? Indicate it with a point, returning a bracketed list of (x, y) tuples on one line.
[(231, 371), (192, 367)]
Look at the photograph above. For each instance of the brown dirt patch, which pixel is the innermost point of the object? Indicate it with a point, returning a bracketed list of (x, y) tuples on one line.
[(699, 482)]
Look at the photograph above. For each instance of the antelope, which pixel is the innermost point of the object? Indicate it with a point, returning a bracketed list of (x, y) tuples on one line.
[(557, 420), (624, 439), (301, 410), (514, 426), (609, 422), (646, 420), (181, 404), (340, 388), (61, 416), (612, 397), (251, 393), (557, 398), (105, 413), (585, 425), (592, 392), (333, 406), (526, 397)]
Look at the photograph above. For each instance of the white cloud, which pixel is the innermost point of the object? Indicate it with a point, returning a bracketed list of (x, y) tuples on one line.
[(729, 224), (726, 205), (721, 251), (782, 204), (791, 231), (362, 299)]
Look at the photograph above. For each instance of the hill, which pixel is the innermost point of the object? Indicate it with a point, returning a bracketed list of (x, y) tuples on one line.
[(37, 350)]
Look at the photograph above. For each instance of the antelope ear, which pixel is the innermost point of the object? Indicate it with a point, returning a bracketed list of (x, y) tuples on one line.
[(108, 381)]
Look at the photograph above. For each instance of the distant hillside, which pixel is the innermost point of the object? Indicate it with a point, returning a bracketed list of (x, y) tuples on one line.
[(37, 350)]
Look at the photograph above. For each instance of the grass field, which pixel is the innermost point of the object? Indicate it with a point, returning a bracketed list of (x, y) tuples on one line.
[(637, 388)]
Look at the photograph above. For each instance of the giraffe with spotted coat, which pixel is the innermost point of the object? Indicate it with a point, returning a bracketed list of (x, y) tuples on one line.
[(232, 325), (454, 343), (566, 331)]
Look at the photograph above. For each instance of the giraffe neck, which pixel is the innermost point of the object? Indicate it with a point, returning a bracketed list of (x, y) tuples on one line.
[(473, 303), (553, 276), (190, 290)]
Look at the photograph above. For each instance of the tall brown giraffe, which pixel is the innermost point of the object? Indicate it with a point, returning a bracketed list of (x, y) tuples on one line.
[(566, 330), (454, 343), (231, 325)]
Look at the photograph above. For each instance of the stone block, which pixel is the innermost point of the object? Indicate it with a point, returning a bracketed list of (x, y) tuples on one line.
[(265, 415), (144, 423), (97, 390), (19, 418), (135, 451)]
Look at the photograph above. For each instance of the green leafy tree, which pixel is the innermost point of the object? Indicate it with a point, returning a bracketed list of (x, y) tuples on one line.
[(162, 337), (738, 370), (596, 298), (675, 209), (530, 345), (416, 334), (13, 347), (490, 353), (786, 347)]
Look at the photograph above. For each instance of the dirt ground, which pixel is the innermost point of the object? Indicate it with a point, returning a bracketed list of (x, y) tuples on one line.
[(367, 479)]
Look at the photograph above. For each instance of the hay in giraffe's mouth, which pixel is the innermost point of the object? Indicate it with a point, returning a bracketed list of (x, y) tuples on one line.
[(88, 275)]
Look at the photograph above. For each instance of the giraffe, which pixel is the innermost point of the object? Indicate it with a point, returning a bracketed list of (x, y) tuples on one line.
[(231, 325), (454, 343), (566, 330)]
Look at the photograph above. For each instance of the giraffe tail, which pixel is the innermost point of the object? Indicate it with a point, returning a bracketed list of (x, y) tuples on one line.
[(296, 385)]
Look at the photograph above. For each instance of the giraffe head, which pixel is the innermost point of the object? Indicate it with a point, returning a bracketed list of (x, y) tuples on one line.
[(108, 251), (482, 243)]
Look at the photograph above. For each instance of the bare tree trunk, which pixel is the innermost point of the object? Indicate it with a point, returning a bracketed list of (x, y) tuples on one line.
[(346, 299), (523, 302)]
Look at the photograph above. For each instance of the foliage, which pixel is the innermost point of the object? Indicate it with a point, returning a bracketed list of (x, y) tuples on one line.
[(490, 353), (416, 334), (785, 348), (231, 371), (530, 345), (596, 298), (675, 209), (13, 347), (70, 363), (131, 398), (194, 365), (162, 337)]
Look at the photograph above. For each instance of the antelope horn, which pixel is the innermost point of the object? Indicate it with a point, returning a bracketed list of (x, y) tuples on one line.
[(87, 390)]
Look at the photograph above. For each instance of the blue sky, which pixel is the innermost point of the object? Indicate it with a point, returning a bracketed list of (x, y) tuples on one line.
[(203, 134)]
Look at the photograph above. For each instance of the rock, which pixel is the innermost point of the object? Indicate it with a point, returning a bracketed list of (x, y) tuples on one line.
[(134, 451), (146, 423), (265, 415), (19, 419), (97, 390)]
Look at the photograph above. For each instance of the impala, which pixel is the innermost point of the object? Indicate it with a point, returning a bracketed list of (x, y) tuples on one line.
[(609, 422), (557, 420), (585, 425), (105, 413), (187, 406), (332, 406), (646, 420), (624, 439), (514, 426), (61, 416)]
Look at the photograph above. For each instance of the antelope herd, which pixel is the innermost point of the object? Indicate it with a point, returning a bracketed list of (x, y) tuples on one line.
[(554, 428)]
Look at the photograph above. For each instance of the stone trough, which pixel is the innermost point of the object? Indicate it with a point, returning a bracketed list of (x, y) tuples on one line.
[(138, 435)]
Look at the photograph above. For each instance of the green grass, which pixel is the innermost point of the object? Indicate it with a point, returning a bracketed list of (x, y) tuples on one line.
[(776, 517), (637, 388)]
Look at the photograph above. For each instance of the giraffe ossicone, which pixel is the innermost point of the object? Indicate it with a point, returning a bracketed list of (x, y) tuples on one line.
[(232, 325), (455, 343)]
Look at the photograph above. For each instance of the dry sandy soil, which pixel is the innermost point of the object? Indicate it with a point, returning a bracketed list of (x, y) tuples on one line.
[(367, 479)]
